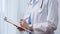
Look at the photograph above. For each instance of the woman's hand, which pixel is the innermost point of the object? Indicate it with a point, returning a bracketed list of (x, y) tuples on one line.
[(21, 24), (24, 24)]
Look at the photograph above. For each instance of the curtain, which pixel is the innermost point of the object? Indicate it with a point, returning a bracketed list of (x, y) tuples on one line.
[(9, 9), (13, 10)]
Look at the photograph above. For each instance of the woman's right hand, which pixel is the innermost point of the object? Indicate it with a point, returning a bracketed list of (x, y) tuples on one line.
[(21, 24)]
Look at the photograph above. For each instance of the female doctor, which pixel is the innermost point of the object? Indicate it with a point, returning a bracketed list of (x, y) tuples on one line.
[(41, 16)]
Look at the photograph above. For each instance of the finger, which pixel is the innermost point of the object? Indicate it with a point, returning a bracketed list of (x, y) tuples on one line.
[(20, 29), (21, 19), (21, 23)]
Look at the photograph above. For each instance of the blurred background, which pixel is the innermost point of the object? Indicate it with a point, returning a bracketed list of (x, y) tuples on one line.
[(14, 10)]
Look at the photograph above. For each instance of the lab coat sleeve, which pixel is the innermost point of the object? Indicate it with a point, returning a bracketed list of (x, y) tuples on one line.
[(52, 18)]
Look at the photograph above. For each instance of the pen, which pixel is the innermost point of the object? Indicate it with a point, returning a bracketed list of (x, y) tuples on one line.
[(16, 25)]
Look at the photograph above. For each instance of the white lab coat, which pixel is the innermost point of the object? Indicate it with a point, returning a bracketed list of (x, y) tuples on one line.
[(45, 19)]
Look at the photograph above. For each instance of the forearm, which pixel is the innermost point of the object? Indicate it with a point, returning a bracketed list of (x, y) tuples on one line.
[(45, 27)]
